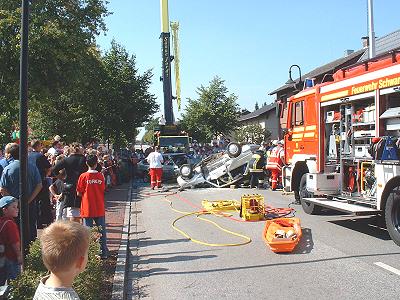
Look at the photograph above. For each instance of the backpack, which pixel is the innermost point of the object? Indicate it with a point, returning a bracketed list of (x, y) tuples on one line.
[(2, 246)]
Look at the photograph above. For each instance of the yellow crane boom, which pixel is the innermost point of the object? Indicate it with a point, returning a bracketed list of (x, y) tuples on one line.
[(175, 43)]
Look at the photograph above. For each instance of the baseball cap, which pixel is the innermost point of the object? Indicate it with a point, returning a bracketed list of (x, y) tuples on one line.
[(6, 200)]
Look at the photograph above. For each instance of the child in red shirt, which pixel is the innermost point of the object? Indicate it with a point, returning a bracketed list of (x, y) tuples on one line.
[(91, 186), (10, 251)]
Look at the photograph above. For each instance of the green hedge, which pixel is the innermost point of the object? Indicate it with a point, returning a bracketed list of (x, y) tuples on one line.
[(87, 284)]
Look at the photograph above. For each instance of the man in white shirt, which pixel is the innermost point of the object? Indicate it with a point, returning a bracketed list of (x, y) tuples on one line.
[(155, 160), (54, 150)]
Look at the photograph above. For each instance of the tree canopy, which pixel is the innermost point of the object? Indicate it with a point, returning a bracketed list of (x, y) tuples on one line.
[(215, 112), (127, 104), (148, 136), (74, 90), (253, 133)]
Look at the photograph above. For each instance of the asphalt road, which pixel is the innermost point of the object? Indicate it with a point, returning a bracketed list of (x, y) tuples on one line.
[(339, 256)]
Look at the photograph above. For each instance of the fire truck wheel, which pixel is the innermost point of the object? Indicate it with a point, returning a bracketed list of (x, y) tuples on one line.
[(233, 149), (392, 214), (309, 208)]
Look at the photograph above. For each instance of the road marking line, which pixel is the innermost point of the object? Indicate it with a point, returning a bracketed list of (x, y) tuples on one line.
[(388, 268)]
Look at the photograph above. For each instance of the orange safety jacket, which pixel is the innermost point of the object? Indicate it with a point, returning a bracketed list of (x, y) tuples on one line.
[(275, 159)]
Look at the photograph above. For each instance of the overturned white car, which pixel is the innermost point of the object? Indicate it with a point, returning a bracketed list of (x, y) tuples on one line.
[(219, 169)]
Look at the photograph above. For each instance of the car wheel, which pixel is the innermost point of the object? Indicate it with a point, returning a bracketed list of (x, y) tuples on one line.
[(309, 208), (186, 171), (234, 150)]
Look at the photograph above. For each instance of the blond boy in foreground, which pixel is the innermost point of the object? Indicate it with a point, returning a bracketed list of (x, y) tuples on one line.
[(65, 253)]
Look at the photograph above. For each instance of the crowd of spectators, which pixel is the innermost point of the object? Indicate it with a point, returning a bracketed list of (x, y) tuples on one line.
[(67, 183), (53, 190)]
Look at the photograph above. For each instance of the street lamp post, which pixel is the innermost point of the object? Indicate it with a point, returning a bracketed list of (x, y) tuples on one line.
[(291, 81), (23, 127)]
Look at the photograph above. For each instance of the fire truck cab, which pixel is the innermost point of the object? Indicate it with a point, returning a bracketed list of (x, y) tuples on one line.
[(342, 142)]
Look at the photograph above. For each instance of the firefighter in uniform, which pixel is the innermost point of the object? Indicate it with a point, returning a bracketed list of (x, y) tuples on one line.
[(275, 164), (256, 169)]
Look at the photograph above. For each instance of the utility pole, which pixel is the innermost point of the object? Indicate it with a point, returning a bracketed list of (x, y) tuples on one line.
[(23, 129), (166, 63)]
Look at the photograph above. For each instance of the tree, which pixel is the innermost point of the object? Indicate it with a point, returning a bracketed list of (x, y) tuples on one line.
[(74, 91), (244, 111), (61, 36), (127, 102), (214, 113), (149, 130), (253, 133), (256, 107)]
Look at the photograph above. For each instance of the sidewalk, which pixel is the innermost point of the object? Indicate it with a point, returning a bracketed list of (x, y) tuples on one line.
[(120, 220), (116, 201)]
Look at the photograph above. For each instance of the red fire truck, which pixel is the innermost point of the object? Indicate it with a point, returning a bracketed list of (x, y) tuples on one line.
[(342, 142)]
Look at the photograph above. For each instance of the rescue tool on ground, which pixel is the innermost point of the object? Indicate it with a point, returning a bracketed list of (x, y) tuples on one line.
[(342, 142), (281, 233), (251, 207)]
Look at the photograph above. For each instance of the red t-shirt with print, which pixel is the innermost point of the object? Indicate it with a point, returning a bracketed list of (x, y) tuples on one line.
[(91, 185), (9, 236)]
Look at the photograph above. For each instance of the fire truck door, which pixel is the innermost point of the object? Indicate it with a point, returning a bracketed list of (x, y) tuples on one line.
[(298, 127), (304, 128)]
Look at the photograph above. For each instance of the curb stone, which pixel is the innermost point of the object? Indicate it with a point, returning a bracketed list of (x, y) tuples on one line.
[(121, 269)]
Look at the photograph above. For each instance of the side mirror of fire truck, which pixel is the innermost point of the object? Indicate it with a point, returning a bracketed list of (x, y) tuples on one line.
[(280, 109)]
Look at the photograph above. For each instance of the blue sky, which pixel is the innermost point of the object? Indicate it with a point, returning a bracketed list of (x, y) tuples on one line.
[(250, 44)]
